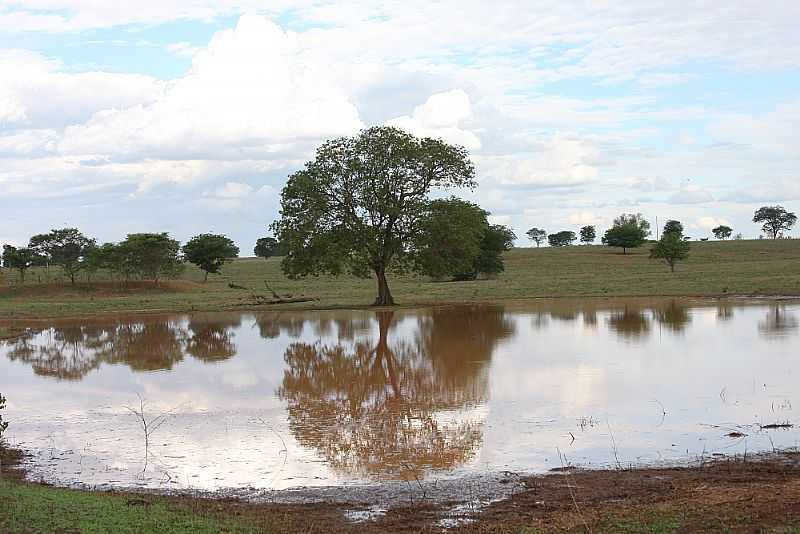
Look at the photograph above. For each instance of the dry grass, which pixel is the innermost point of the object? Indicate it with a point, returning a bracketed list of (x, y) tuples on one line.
[(760, 267)]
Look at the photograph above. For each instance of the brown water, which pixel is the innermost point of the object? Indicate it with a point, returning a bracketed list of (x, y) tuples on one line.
[(346, 398)]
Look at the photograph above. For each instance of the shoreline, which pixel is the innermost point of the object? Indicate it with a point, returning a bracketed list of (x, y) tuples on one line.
[(693, 497), (404, 306)]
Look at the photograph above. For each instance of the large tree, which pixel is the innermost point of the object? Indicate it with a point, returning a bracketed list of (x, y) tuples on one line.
[(210, 252), (65, 247), (357, 206), (775, 220), (629, 231), (537, 235)]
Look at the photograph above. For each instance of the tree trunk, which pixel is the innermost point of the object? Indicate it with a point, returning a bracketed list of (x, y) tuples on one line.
[(672, 267), (384, 295), (205, 278)]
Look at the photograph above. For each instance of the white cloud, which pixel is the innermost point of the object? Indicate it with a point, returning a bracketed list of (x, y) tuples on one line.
[(585, 218), (183, 49), (231, 190), (253, 93), (691, 194), (709, 223), (36, 92), (561, 160), (440, 117)]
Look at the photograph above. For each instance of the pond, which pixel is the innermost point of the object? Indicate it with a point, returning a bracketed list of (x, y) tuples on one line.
[(343, 398)]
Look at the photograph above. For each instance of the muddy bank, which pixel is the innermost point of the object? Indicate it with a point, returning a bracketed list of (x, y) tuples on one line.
[(734, 494)]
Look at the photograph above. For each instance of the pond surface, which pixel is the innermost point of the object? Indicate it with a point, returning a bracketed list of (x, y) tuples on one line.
[(344, 398)]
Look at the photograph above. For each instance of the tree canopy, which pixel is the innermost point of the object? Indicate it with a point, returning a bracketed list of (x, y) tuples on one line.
[(210, 252), (671, 248), (267, 247), (722, 232), (357, 206), (562, 239), (775, 220), (629, 231), (65, 247), (537, 235), (456, 241), (151, 255), (20, 259), (588, 235), (673, 227)]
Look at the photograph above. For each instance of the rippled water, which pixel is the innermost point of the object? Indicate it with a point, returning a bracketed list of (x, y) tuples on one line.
[(352, 397)]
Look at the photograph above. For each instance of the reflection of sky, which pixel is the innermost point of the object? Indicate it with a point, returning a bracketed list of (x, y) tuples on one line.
[(229, 429)]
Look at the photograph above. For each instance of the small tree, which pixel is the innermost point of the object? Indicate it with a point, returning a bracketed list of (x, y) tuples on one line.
[(65, 247), (151, 255), (564, 238), (775, 220), (588, 235), (20, 259), (673, 227), (267, 247), (496, 240), (671, 248), (450, 238), (628, 231), (537, 235), (722, 232), (210, 252)]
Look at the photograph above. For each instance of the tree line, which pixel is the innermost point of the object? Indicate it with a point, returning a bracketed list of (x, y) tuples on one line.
[(144, 256)]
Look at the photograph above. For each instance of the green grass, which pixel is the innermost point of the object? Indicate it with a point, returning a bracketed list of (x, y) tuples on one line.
[(32, 508), (761, 267)]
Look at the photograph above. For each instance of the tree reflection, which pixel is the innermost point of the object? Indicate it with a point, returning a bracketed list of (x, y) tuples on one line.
[(779, 322), (675, 316), (630, 323), (395, 409), (70, 352)]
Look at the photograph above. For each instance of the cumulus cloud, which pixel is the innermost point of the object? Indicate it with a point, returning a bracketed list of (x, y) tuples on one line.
[(561, 160), (440, 117), (709, 223), (252, 93), (37, 92)]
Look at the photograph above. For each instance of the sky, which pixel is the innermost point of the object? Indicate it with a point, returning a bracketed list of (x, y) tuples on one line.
[(187, 116)]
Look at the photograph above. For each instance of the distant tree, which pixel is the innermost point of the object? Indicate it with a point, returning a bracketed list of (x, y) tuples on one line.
[(450, 236), (562, 239), (3, 424), (722, 232), (267, 247), (670, 248), (65, 247), (537, 235), (628, 231), (20, 259), (210, 252), (673, 227), (775, 220), (152, 256), (588, 235), (357, 206)]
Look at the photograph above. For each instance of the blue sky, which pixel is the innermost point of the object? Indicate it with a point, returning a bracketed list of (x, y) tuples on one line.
[(187, 115)]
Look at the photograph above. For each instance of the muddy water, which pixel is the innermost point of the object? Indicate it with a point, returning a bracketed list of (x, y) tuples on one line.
[(347, 398)]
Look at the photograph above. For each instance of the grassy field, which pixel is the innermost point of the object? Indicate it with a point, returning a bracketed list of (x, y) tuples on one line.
[(761, 267)]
